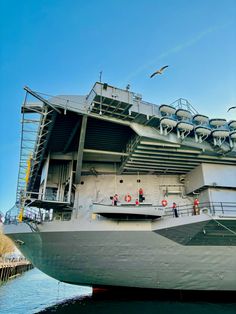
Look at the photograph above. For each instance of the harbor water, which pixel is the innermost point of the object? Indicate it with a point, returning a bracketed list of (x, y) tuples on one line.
[(34, 292)]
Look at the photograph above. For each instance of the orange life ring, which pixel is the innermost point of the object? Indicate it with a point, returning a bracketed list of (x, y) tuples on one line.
[(128, 198), (164, 203)]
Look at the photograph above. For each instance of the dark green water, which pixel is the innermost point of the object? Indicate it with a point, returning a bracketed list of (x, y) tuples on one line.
[(35, 292)]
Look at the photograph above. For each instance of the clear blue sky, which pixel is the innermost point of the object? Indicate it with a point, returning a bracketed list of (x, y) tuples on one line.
[(60, 46)]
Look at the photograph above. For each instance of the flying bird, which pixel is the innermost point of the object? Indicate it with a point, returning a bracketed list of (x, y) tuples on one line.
[(231, 108), (160, 71)]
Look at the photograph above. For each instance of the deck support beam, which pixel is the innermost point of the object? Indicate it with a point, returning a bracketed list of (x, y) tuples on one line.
[(80, 150), (71, 136)]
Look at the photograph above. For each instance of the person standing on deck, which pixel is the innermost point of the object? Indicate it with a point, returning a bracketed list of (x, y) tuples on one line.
[(140, 194), (174, 208), (196, 207), (115, 200)]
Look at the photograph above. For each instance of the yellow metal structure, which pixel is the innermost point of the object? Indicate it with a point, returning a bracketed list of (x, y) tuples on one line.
[(28, 169), (20, 216)]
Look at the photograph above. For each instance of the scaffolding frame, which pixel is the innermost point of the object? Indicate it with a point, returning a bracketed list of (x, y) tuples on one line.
[(37, 121)]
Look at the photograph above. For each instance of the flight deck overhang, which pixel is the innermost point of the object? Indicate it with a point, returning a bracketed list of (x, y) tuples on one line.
[(124, 130)]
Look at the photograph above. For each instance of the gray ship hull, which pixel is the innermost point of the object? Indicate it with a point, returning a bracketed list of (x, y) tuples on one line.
[(143, 259)]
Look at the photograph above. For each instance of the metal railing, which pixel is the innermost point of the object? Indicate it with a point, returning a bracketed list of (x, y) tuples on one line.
[(183, 103), (37, 215), (214, 208), (29, 215), (34, 216)]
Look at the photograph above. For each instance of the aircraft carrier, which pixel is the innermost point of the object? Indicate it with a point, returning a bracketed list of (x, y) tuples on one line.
[(116, 191)]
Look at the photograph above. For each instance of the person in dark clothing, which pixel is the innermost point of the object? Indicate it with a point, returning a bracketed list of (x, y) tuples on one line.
[(115, 200), (174, 208), (140, 195)]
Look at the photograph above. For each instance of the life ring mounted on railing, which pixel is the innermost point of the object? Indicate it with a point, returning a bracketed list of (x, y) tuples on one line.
[(164, 203), (128, 198)]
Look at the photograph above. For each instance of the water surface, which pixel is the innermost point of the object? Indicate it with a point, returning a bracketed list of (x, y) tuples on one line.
[(35, 292)]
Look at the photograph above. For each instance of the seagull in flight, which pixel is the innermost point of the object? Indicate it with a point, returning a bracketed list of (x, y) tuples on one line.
[(231, 108), (160, 71)]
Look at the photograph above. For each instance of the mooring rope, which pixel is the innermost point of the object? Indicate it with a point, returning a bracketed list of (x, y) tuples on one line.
[(222, 225)]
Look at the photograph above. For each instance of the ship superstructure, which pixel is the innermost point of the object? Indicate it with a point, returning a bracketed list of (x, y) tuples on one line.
[(80, 153)]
